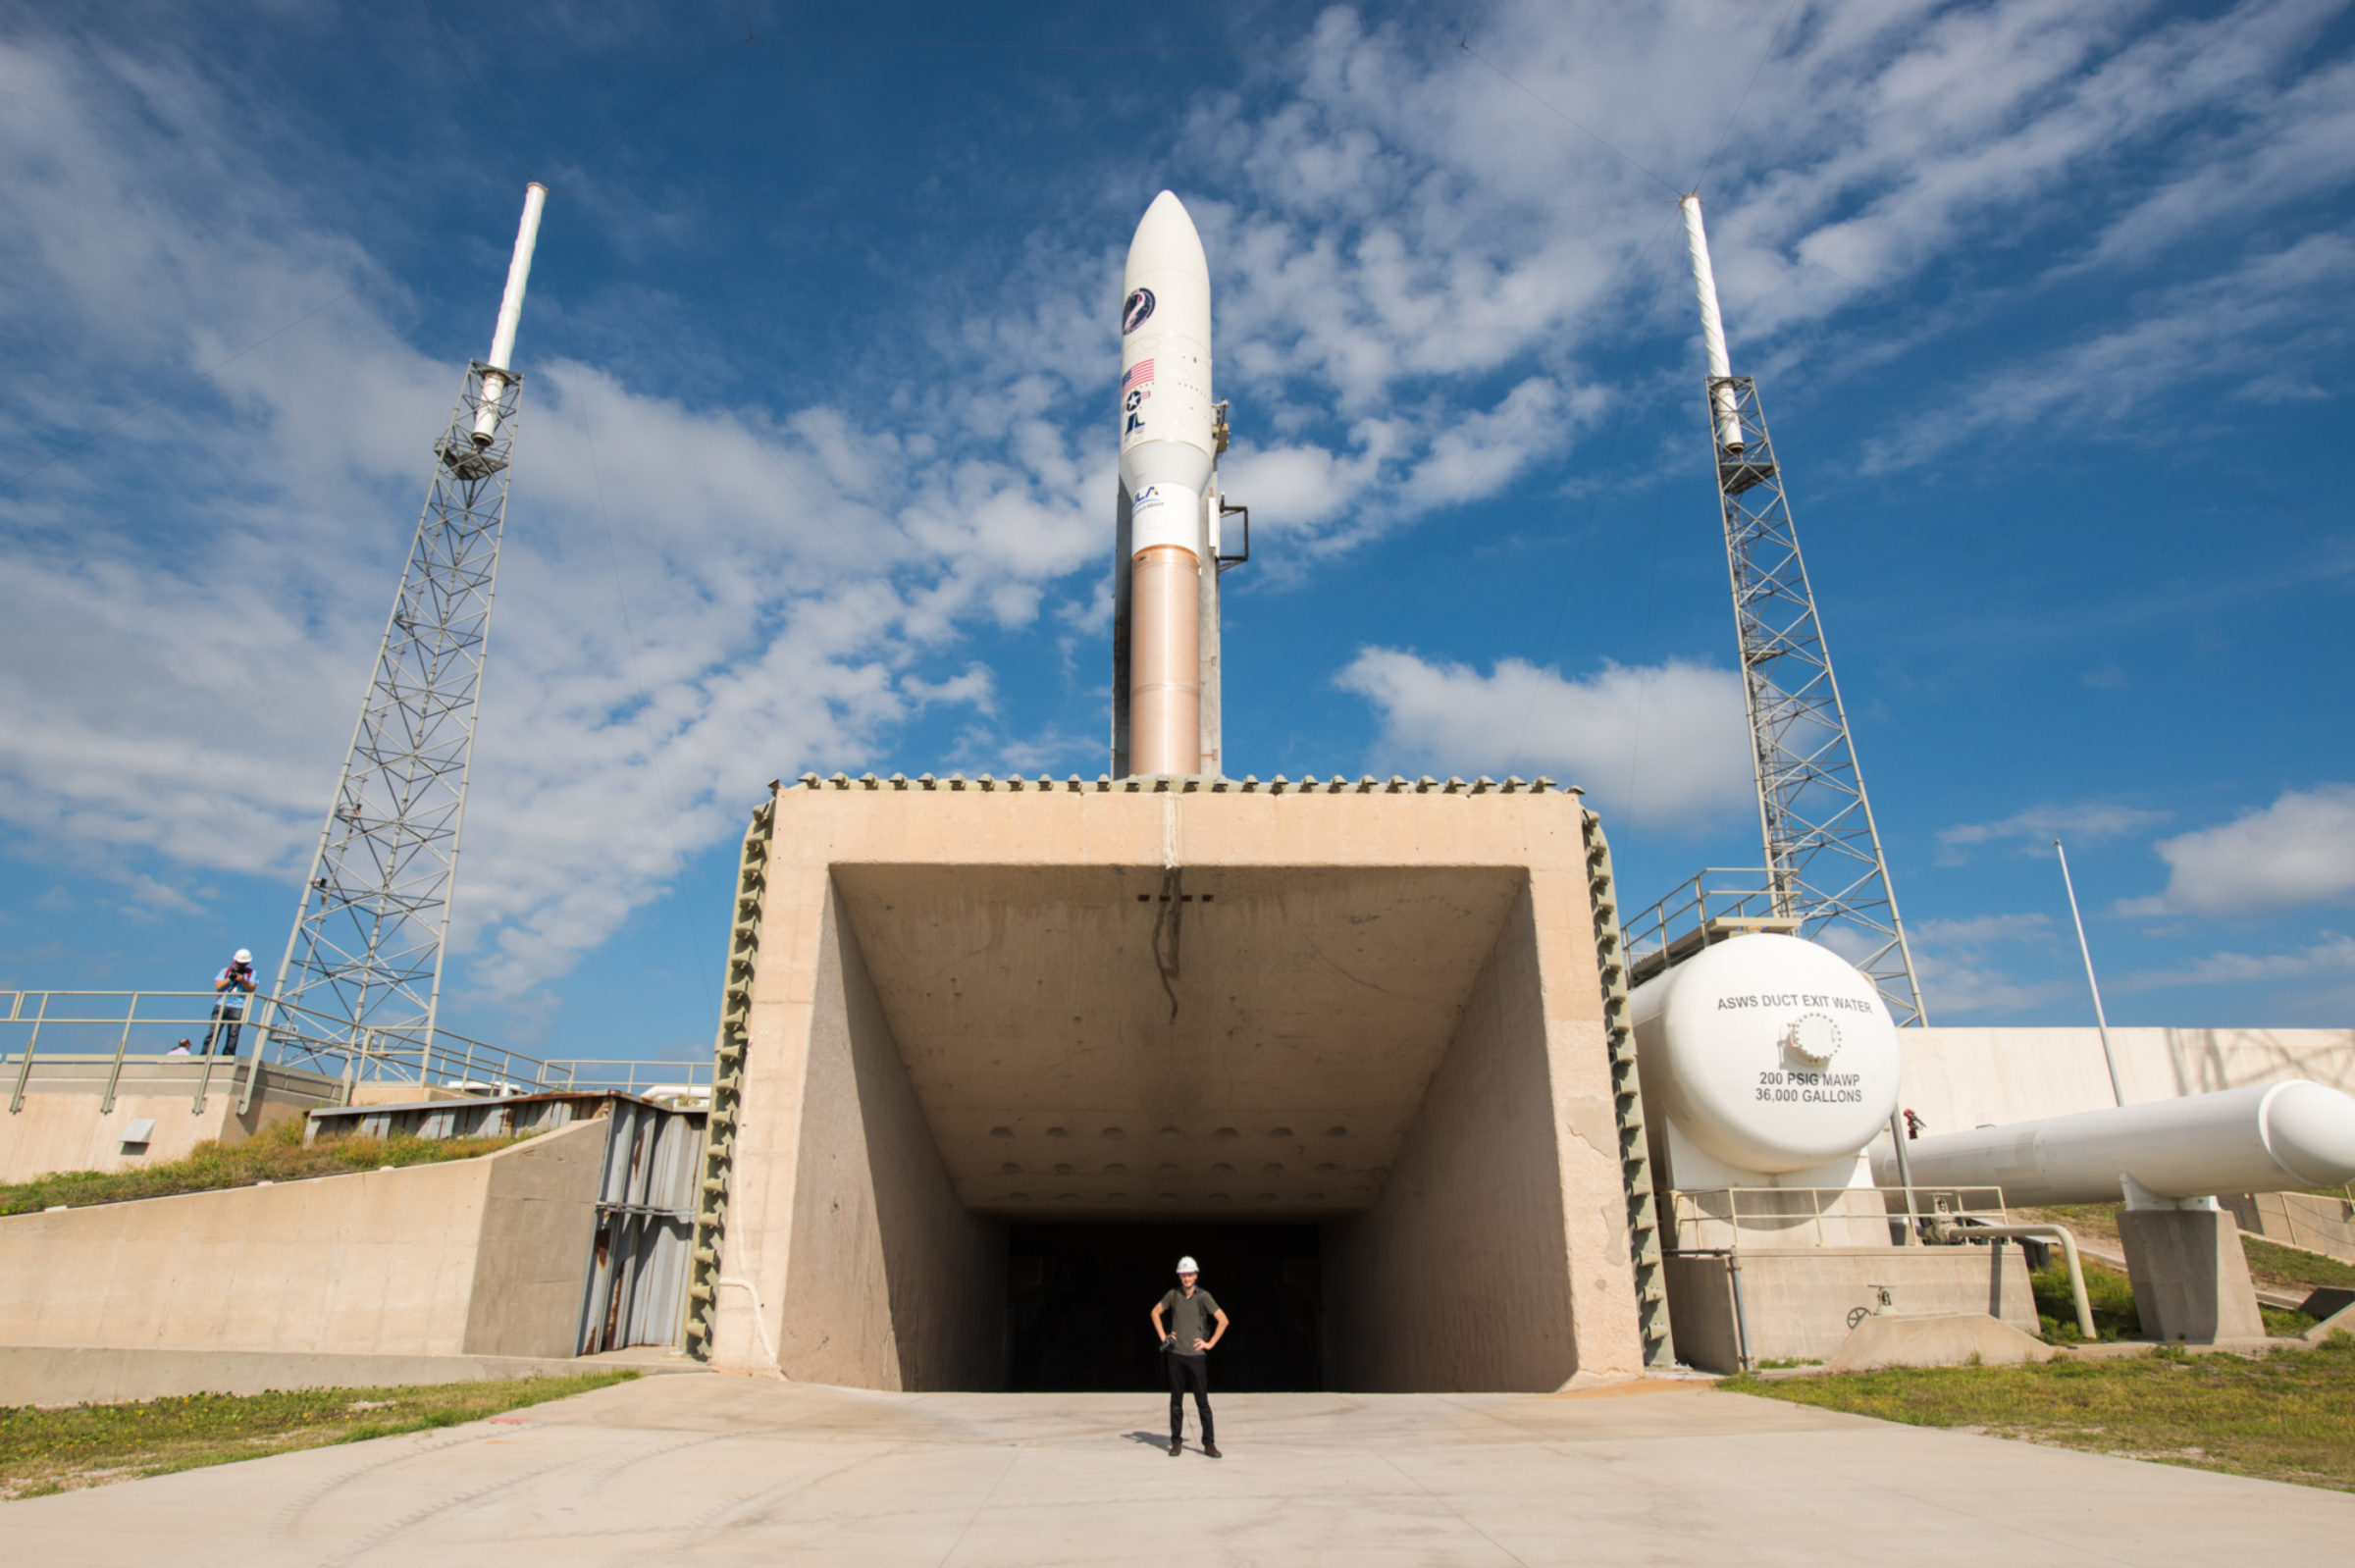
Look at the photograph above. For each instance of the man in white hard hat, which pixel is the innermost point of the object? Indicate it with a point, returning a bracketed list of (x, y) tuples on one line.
[(231, 986), (1196, 1326)]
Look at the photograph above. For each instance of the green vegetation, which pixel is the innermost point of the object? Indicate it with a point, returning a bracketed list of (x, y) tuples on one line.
[(2272, 1266), (274, 1154), (44, 1451), (2090, 1222), (2288, 1415), (2293, 1268), (2110, 1294), (2107, 1290)]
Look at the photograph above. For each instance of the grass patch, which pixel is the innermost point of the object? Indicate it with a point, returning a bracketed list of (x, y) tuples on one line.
[(2110, 1294), (274, 1154), (2108, 1291), (45, 1451), (2271, 1264), (2293, 1268), (2089, 1221), (2288, 1415)]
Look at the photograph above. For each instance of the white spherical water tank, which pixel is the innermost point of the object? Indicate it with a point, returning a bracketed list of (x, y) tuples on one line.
[(1769, 1052)]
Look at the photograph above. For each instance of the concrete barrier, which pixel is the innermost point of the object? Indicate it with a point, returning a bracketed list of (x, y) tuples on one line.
[(1798, 1304), (1935, 1339), (2322, 1222), (77, 1109), (482, 1257)]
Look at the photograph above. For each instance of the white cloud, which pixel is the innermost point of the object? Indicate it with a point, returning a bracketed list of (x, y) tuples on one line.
[(1318, 502), (1959, 974), (2334, 955), (1665, 744), (2299, 849), (1420, 217), (2227, 327), (2033, 830), (1978, 930)]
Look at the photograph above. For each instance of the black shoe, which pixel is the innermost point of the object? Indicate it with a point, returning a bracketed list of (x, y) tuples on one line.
[(1176, 1447), (1210, 1448)]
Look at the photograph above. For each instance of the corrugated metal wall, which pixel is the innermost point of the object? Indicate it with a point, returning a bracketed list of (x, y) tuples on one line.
[(645, 1219)]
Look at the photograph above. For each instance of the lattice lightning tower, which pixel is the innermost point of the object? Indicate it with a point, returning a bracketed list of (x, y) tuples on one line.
[(1824, 854), (365, 955)]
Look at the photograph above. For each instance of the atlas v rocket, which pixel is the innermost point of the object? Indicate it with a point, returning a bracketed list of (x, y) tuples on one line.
[(1168, 555)]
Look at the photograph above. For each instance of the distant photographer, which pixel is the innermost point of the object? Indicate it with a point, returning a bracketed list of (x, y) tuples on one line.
[(232, 985)]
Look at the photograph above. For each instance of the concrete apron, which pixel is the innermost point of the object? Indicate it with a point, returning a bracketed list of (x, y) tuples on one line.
[(730, 1470)]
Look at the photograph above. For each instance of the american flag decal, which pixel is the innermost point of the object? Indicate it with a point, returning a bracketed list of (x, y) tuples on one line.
[(1139, 374)]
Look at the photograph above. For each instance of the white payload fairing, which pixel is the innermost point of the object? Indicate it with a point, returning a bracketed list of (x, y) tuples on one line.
[(1165, 706)]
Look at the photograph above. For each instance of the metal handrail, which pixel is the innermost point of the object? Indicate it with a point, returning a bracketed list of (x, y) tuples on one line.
[(1715, 903), (1947, 1213), (323, 1043)]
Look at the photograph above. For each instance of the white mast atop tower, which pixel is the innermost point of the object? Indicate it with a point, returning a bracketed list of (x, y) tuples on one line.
[(1713, 326), (510, 313)]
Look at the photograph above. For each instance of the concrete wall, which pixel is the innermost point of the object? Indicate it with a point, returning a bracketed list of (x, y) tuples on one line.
[(530, 1258), (2324, 1225), (464, 1257), (1796, 1302), (60, 1126), (867, 1270), (1961, 1078), (1473, 1272)]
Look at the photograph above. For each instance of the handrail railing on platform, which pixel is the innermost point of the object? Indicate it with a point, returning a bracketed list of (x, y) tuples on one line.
[(118, 1022), (1719, 1218), (1719, 902)]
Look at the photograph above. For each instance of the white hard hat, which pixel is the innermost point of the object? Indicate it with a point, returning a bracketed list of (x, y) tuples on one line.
[(243, 957), (1188, 1266)]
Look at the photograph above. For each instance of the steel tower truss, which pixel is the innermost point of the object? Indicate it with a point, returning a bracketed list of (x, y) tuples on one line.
[(366, 948), (1824, 854)]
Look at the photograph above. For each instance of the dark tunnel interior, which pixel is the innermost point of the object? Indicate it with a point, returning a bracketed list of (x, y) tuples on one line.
[(1079, 1299)]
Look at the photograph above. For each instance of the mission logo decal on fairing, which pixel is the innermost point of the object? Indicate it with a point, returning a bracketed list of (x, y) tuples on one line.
[(1135, 312)]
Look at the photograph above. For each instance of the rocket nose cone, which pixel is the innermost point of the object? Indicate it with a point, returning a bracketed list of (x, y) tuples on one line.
[(1166, 236), (2312, 1131)]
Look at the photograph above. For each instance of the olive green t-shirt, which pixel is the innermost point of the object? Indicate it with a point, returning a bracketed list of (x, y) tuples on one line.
[(1189, 1318)]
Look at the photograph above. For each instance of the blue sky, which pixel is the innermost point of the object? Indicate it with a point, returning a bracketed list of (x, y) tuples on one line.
[(2045, 302)]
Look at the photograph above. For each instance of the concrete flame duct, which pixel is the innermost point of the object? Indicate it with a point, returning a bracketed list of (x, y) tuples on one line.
[(1370, 1019)]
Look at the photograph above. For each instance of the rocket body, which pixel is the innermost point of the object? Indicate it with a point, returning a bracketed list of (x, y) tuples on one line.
[(1167, 458)]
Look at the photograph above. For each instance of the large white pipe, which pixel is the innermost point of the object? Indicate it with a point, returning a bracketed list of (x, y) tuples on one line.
[(1167, 455), (1713, 324), (2269, 1137), (510, 312)]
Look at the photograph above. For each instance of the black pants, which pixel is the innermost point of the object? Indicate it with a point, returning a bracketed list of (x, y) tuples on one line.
[(227, 1021), (1190, 1372)]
